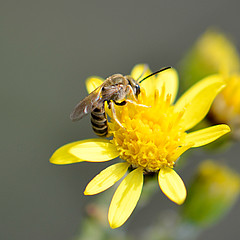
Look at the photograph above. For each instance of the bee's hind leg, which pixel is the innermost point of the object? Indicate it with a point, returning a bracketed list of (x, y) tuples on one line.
[(114, 115)]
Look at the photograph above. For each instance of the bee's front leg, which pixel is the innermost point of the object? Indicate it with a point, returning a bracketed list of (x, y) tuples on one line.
[(134, 101), (124, 102), (131, 93)]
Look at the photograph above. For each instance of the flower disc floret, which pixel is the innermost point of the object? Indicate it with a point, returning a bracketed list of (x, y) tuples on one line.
[(150, 135)]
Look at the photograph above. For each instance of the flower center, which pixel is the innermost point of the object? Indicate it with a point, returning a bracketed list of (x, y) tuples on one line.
[(151, 135)]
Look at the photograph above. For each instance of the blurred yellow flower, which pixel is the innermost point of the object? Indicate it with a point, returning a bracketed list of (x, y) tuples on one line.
[(214, 52), (226, 106), (150, 140), (217, 52), (212, 193)]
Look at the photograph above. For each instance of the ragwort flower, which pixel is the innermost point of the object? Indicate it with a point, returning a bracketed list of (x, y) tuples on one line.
[(214, 52), (226, 106), (150, 140), (212, 193)]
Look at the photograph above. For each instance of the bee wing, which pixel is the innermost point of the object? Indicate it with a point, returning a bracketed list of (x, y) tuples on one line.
[(87, 104)]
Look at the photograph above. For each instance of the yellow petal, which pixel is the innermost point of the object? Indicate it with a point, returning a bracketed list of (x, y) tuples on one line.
[(169, 79), (94, 150), (172, 185), (106, 178), (180, 151), (198, 99), (141, 71), (63, 156), (207, 135), (125, 198), (93, 82)]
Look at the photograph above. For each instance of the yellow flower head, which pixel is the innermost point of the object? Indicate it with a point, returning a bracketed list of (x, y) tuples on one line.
[(212, 193), (152, 136), (226, 106), (214, 52), (218, 52)]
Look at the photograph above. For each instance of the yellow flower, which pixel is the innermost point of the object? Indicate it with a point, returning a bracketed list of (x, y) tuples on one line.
[(218, 52), (212, 193), (226, 106), (214, 52), (150, 140)]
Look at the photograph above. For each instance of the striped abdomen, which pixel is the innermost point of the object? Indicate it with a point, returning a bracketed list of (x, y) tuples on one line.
[(99, 121)]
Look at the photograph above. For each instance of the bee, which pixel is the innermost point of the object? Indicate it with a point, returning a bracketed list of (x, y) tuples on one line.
[(116, 89)]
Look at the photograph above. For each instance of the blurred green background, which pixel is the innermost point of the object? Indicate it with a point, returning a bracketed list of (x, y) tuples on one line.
[(48, 49)]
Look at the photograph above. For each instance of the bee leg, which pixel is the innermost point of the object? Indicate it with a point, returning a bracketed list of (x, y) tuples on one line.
[(114, 115), (131, 93), (130, 101), (146, 67), (135, 103)]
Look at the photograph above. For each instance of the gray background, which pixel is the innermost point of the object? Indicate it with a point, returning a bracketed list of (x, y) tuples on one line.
[(47, 50)]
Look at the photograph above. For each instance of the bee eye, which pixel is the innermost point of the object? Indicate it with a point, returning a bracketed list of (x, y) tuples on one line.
[(137, 90)]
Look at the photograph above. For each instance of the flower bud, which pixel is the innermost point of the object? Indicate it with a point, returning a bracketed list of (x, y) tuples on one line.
[(213, 52), (211, 195)]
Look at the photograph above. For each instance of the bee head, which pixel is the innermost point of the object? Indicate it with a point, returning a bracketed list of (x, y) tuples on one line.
[(137, 89), (135, 86)]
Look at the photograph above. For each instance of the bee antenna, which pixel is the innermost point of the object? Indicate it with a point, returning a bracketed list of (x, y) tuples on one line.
[(162, 69), (145, 68)]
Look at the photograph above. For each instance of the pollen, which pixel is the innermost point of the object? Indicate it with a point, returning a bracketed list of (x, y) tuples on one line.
[(151, 132)]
